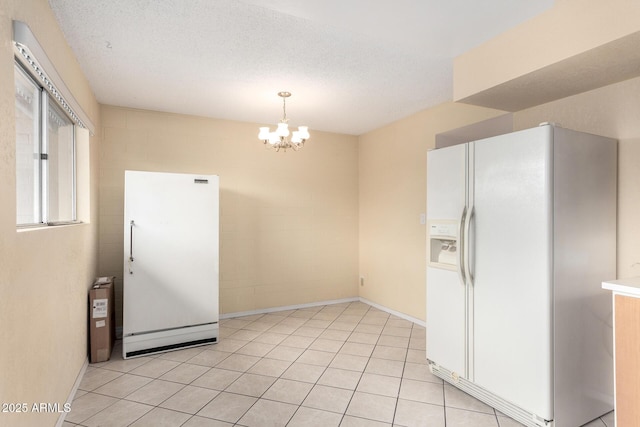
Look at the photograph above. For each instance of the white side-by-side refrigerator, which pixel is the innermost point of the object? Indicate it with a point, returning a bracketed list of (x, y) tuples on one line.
[(521, 233), (171, 261)]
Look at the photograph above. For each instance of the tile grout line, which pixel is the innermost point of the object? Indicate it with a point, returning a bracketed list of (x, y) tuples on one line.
[(444, 404), (300, 405), (316, 382), (248, 409), (323, 372), (364, 369)]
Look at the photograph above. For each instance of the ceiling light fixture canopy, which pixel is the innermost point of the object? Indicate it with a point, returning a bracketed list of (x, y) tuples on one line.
[(279, 139)]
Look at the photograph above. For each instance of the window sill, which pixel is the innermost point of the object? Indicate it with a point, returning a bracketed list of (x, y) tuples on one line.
[(49, 226)]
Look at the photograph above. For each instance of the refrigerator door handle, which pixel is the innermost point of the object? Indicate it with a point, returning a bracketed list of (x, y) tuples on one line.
[(461, 243), (467, 249), (131, 224)]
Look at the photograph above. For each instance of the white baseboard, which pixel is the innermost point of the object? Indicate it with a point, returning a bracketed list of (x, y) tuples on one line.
[(315, 304), (395, 313), (307, 305), (74, 389), (287, 307)]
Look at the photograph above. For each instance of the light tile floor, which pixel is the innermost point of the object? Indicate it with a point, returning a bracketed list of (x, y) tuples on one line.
[(347, 365)]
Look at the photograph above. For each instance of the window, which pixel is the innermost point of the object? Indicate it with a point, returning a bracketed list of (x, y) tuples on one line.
[(45, 156)]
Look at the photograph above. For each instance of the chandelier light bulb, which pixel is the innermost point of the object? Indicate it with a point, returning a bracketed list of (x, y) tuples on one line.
[(264, 133), (283, 130), (295, 137), (304, 132)]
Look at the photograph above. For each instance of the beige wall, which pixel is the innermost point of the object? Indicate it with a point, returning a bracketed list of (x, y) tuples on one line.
[(570, 28), (289, 221), (393, 191), (44, 274), (612, 111)]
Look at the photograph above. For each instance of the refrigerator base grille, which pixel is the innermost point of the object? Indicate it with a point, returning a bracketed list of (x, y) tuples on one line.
[(170, 347), (134, 345), (517, 413)]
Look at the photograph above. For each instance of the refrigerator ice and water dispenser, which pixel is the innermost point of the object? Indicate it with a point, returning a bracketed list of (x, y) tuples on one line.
[(443, 243)]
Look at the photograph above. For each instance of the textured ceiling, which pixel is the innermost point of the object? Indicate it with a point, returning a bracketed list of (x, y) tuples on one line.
[(351, 65)]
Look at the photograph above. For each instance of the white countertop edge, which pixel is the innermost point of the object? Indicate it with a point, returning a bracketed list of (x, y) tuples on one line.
[(630, 286)]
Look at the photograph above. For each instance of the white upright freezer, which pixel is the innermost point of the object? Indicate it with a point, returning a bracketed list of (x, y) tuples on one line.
[(171, 261), (521, 233)]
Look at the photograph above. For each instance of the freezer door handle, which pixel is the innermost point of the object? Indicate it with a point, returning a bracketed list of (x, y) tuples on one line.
[(131, 224), (461, 244), (467, 248)]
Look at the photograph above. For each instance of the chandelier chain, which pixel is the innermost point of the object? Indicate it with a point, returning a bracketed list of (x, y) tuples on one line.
[(284, 109)]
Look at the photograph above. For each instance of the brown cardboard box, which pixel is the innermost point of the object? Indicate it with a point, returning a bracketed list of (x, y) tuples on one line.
[(101, 319)]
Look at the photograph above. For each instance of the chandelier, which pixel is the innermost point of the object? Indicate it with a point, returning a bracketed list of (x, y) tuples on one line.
[(279, 139)]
